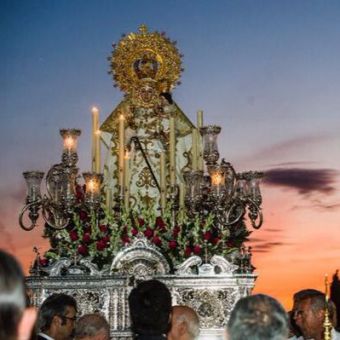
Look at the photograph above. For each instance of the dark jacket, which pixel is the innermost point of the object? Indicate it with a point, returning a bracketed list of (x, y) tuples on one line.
[(150, 337)]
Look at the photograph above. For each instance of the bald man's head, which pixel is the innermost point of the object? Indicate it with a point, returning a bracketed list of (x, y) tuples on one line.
[(184, 324)]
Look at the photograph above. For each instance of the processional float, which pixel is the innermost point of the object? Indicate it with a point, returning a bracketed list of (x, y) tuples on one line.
[(164, 206)]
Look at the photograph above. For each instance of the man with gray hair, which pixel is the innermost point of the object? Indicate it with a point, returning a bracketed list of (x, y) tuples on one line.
[(258, 317), (184, 324), (309, 314), (92, 327)]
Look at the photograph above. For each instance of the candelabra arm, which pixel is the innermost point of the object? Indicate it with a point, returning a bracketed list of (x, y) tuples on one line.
[(227, 222), (32, 208), (59, 222), (255, 214)]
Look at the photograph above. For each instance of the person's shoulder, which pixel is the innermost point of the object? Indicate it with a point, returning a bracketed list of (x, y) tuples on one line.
[(42, 337), (335, 335)]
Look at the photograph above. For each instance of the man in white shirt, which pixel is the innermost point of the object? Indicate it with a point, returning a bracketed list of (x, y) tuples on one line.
[(309, 315)]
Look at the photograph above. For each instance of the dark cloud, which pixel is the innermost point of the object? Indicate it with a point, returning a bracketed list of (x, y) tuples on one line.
[(319, 206), (266, 247), (306, 181)]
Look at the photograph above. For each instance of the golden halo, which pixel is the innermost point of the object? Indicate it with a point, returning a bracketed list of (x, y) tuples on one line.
[(145, 55)]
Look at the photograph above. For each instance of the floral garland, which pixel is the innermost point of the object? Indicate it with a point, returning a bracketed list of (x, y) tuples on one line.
[(101, 238)]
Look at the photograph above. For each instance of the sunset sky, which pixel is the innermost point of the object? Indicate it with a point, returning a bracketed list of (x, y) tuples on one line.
[(268, 72)]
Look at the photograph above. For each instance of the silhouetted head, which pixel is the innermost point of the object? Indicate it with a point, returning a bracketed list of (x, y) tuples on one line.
[(150, 308), (12, 296)]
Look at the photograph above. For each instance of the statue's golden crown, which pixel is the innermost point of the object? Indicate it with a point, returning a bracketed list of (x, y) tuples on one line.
[(142, 55)]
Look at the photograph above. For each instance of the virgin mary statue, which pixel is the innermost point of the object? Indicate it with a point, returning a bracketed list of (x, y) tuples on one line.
[(146, 66)]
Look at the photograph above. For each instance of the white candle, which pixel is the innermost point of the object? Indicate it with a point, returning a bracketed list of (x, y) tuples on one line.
[(181, 195), (95, 128), (200, 162), (127, 180), (98, 150), (172, 149), (194, 151), (162, 181), (199, 119), (121, 145), (108, 200)]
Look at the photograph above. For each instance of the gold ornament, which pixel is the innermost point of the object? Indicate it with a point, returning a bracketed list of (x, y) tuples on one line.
[(145, 55)]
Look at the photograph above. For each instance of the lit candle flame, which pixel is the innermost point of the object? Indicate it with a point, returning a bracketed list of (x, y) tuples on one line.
[(69, 142), (98, 132), (121, 117), (92, 186), (94, 109), (216, 179), (127, 155)]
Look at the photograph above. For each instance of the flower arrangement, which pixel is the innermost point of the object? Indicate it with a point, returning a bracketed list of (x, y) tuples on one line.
[(101, 237)]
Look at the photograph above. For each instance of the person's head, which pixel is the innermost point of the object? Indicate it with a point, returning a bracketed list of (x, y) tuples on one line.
[(16, 321), (92, 327), (184, 324), (309, 311), (258, 317), (57, 316), (150, 308)]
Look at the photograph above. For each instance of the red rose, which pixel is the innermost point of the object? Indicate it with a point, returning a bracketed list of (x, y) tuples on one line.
[(87, 229), (172, 244), (43, 261), (106, 239), (215, 241), (73, 235), (197, 250), (79, 193), (160, 223), (101, 245), (230, 244), (148, 232), (83, 215), (176, 231), (125, 239), (141, 222), (156, 240), (82, 249), (207, 235), (187, 251), (103, 228), (134, 231), (79, 196), (87, 238)]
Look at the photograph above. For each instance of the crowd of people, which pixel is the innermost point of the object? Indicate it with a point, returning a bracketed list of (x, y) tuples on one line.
[(256, 317)]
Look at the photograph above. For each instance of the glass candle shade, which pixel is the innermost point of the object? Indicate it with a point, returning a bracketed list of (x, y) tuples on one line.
[(254, 179), (93, 183), (210, 149), (33, 182), (241, 187), (70, 139)]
